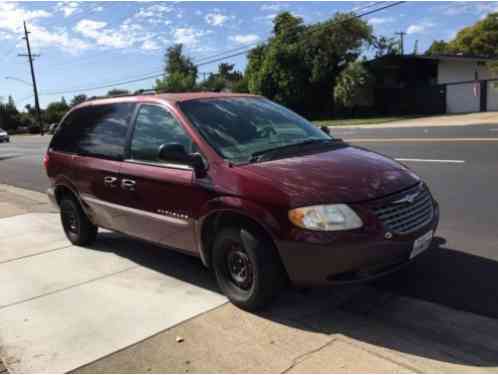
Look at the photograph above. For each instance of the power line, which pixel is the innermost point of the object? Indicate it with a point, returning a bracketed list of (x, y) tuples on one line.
[(202, 63)]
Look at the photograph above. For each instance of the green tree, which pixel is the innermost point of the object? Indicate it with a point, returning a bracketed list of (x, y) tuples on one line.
[(354, 86), (78, 99), (480, 39), (299, 64), (225, 79), (438, 47), (385, 46), (180, 73), (55, 111), (9, 115)]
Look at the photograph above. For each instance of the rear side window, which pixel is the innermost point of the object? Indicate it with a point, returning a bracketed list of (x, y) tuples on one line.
[(95, 131)]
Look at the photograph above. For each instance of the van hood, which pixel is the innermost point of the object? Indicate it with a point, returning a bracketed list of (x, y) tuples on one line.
[(343, 175)]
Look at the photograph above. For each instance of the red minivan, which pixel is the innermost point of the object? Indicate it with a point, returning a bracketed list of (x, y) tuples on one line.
[(258, 193)]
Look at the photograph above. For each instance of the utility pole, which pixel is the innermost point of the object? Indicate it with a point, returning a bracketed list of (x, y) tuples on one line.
[(415, 47), (401, 44), (35, 89)]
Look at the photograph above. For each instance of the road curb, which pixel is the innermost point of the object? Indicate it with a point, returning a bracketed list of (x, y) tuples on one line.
[(25, 193)]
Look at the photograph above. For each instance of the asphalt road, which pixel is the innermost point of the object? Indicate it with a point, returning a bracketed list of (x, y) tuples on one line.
[(460, 165)]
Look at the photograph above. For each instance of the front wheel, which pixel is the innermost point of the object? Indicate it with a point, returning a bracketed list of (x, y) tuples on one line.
[(247, 267), (79, 230)]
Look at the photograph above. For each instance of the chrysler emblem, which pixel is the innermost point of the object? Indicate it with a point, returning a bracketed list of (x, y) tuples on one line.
[(407, 198)]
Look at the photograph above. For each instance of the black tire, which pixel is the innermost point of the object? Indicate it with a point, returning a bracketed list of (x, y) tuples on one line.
[(236, 246), (79, 230)]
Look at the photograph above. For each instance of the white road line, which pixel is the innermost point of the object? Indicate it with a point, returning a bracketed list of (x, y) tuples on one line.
[(432, 160)]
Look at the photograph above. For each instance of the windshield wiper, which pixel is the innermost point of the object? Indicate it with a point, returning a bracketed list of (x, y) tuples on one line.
[(256, 156)]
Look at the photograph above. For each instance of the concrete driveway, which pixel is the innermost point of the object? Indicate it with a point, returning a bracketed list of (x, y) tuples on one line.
[(63, 306)]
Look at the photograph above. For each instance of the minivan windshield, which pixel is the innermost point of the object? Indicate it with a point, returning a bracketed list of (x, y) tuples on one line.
[(240, 127)]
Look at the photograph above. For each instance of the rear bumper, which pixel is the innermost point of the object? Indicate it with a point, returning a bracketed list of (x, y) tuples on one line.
[(349, 257)]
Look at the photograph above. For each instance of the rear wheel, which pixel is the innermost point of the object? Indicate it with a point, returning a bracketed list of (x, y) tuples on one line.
[(79, 230), (247, 267)]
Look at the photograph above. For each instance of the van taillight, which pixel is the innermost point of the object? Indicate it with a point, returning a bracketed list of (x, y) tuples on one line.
[(46, 159)]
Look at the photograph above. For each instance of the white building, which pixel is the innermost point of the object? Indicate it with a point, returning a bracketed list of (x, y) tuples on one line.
[(450, 83)]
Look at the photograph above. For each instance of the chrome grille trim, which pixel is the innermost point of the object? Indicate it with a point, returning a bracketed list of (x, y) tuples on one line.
[(404, 218)]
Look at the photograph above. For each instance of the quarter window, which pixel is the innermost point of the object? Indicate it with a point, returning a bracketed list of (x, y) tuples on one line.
[(154, 127), (95, 131)]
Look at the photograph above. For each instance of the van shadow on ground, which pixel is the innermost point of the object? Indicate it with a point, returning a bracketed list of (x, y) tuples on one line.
[(376, 314)]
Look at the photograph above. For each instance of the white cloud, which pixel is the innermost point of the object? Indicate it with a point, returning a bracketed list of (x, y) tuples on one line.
[(468, 7), (415, 29), (60, 38), (216, 19), (150, 45), (380, 20), (274, 7), (68, 8), (11, 16), (152, 11), (105, 37), (187, 36), (419, 28), (245, 39)]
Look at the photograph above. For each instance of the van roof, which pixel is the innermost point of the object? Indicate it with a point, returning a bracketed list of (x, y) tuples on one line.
[(169, 97)]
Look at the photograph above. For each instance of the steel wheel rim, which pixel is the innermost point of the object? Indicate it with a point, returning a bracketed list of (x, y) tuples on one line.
[(239, 267), (70, 220)]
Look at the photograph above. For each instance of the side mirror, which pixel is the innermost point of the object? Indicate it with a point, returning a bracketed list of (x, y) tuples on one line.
[(176, 153), (325, 129)]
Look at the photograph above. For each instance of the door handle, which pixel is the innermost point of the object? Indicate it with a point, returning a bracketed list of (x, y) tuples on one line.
[(128, 184), (110, 181)]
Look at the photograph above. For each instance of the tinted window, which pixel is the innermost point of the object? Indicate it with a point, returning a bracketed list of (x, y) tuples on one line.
[(239, 127), (155, 126), (95, 131)]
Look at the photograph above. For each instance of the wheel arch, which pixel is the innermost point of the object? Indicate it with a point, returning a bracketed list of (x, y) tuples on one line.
[(229, 212)]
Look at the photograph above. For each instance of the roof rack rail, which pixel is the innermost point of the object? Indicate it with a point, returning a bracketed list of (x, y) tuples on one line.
[(137, 92), (145, 92)]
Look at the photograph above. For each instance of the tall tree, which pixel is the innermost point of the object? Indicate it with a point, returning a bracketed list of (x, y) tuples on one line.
[(78, 99), (385, 46), (55, 111), (354, 87), (180, 73), (226, 78), (300, 63), (438, 47)]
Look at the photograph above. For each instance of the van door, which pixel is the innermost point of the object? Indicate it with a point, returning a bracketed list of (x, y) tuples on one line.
[(161, 197), (101, 148)]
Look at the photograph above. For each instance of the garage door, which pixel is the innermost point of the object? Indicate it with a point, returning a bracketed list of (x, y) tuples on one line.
[(492, 100), (461, 98)]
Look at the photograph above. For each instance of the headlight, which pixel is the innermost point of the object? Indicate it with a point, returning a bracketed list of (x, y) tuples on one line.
[(325, 218)]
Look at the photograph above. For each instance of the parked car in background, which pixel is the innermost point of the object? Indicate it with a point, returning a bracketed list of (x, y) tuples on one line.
[(257, 192), (4, 136)]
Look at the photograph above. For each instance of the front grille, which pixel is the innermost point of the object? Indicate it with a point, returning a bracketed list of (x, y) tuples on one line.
[(406, 217)]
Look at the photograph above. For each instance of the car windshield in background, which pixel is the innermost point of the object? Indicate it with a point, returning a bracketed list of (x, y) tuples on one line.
[(241, 127)]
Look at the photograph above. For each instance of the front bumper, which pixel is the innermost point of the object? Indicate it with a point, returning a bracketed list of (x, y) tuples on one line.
[(4, 138), (354, 256)]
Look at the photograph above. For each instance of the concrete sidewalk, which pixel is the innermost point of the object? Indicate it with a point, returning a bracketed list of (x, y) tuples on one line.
[(342, 329), (465, 119)]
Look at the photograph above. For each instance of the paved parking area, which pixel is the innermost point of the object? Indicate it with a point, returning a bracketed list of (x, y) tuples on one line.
[(63, 306)]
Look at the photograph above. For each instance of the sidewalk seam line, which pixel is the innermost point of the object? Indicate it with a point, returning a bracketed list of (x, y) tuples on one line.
[(33, 255), (67, 288)]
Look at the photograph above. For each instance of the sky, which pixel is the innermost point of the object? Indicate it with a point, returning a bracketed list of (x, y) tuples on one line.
[(87, 44)]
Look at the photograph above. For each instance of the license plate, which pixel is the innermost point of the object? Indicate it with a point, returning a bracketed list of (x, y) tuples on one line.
[(421, 244)]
